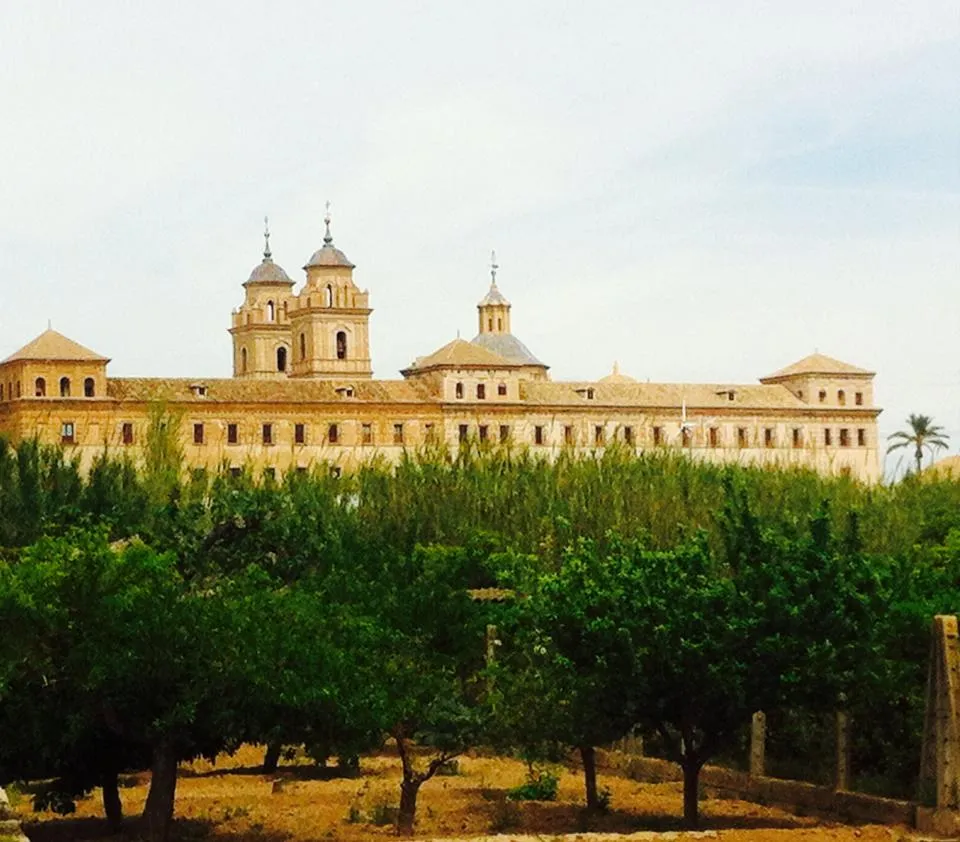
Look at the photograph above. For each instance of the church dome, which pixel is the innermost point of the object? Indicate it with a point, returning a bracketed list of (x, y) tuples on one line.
[(268, 272), (328, 255), (616, 376), (494, 298)]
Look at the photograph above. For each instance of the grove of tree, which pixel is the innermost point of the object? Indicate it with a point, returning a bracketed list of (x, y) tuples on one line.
[(152, 615)]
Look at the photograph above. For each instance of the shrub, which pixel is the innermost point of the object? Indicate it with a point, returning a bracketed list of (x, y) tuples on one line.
[(541, 785)]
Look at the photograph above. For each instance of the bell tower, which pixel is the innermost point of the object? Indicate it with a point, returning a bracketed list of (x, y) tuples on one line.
[(494, 309), (261, 325), (329, 318)]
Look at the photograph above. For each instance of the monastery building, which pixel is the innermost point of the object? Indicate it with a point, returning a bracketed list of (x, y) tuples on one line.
[(302, 394)]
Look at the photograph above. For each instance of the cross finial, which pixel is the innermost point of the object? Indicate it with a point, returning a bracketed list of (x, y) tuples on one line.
[(493, 268), (266, 239), (327, 237)]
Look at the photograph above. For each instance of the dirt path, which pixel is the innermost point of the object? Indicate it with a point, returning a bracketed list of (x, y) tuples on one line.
[(234, 802)]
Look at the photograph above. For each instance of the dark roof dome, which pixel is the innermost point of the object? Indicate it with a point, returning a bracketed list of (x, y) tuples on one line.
[(268, 272), (508, 346), (328, 255)]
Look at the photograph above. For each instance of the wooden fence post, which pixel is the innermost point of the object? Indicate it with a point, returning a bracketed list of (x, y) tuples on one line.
[(940, 755), (758, 744), (842, 780)]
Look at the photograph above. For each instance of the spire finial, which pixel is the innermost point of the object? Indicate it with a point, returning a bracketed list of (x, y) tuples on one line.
[(49, 324), (266, 239), (616, 366), (493, 268), (327, 237)]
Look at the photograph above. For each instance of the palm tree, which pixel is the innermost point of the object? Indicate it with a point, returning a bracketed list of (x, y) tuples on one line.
[(922, 435)]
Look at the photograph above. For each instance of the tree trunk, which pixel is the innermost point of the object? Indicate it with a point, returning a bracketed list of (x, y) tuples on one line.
[(271, 760), (112, 806), (691, 805), (158, 811), (408, 806), (589, 756)]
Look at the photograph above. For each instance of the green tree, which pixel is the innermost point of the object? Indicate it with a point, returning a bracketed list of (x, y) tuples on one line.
[(922, 436)]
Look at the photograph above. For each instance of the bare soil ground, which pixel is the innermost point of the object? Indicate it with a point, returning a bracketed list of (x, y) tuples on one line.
[(234, 802)]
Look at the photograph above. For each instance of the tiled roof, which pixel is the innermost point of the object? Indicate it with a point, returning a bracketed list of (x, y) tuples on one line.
[(268, 272), (507, 346), (230, 390), (617, 377), (328, 256), (816, 364), (662, 395), (51, 345), (493, 297), (461, 353)]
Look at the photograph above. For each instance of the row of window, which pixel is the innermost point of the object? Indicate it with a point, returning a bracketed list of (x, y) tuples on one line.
[(846, 437), (40, 388), (841, 397), (481, 391), (281, 352)]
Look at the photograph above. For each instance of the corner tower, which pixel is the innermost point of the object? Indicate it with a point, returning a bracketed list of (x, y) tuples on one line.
[(329, 318), (261, 326)]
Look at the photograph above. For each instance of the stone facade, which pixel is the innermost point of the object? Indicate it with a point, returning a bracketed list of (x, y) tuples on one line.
[(302, 394)]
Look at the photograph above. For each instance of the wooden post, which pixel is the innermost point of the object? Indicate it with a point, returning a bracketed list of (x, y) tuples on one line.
[(758, 745), (491, 641), (842, 781), (940, 755)]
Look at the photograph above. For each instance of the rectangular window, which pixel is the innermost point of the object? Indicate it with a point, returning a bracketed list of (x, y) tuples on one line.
[(538, 434), (504, 434), (502, 390), (270, 473), (823, 396), (658, 435), (858, 398), (232, 435), (333, 434), (599, 434), (741, 436), (844, 437), (483, 432), (797, 437), (268, 433), (398, 433), (126, 433), (366, 433), (568, 434), (685, 437), (861, 437), (464, 432), (299, 434), (481, 392), (67, 432), (714, 437), (198, 433), (768, 439), (235, 471), (301, 469), (628, 435), (827, 437)]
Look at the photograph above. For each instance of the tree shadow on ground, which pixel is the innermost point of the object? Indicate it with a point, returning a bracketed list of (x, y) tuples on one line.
[(294, 773), (183, 830)]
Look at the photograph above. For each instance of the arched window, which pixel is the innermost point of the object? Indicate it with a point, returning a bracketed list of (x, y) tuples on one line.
[(281, 358), (499, 323), (842, 397), (89, 387), (303, 346), (481, 392), (459, 390), (64, 387), (328, 296), (341, 345), (40, 388), (243, 360), (271, 312)]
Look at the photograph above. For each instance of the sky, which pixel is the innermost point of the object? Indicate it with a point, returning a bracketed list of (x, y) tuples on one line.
[(699, 191)]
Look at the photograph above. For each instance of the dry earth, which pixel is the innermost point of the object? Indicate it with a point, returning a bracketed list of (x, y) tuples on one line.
[(233, 802)]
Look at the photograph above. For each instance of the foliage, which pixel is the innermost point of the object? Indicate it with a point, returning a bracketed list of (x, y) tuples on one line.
[(922, 436), (541, 785)]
